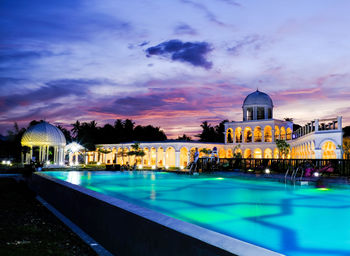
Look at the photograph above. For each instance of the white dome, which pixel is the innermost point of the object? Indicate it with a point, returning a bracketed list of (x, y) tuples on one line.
[(258, 98), (43, 134)]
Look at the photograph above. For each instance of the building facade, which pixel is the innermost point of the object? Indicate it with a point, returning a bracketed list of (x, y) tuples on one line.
[(254, 137)]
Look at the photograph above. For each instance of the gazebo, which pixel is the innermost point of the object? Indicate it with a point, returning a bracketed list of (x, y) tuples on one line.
[(46, 143)]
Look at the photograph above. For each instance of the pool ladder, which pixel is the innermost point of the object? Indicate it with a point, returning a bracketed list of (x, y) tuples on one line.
[(293, 177)]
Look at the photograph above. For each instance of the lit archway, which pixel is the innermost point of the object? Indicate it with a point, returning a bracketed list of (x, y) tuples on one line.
[(328, 150), (160, 157), (146, 157), (283, 133), (276, 153), (153, 156), (257, 153), (125, 156), (229, 135), (257, 134), (289, 133), (267, 153), (277, 133), (229, 153), (222, 153), (247, 134), (247, 153), (170, 157), (183, 157), (238, 135), (119, 156), (268, 134)]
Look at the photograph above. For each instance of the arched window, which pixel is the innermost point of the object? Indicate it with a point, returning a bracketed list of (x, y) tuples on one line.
[(248, 134), (257, 153), (249, 113), (328, 150), (229, 135), (260, 113), (247, 153), (269, 113), (153, 156), (183, 157), (277, 133), (160, 157), (238, 135), (268, 134), (229, 153), (170, 157), (257, 134), (283, 133), (268, 153), (222, 153), (146, 157), (289, 133)]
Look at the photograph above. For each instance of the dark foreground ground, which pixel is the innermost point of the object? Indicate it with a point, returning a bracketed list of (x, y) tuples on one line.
[(28, 228)]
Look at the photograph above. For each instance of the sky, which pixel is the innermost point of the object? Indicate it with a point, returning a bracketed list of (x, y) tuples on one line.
[(171, 63)]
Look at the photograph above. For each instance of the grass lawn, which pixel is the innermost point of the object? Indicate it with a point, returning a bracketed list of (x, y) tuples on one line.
[(28, 228)]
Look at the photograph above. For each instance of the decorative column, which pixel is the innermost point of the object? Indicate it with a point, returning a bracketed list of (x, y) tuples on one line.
[(316, 125), (318, 153), (62, 156), (340, 123), (177, 158), (253, 137), (338, 153), (156, 158), (266, 112), (255, 113), (273, 135), (150, 157), (47, 153), (40, 157), (54, 154), (262, 134)]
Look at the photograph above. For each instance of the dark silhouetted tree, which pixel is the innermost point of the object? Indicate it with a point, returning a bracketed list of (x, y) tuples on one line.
[(184, 137)]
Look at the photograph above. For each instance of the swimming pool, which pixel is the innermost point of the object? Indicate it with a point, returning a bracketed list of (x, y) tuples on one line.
[(289, 220)]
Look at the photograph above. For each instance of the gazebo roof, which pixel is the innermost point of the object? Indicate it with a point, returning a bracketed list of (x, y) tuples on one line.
[(43, 134)]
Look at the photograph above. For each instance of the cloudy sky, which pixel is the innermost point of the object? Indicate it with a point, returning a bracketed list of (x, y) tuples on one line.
[(171, 63)]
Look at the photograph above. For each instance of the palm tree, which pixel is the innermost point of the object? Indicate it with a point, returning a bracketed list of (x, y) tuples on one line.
[(76, 128), (104, 151), (283, 147), (346, 147), (136, 151)]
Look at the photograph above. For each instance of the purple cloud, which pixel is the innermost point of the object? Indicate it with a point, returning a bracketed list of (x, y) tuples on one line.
[(254, 42), (189, 52), (184, 29)]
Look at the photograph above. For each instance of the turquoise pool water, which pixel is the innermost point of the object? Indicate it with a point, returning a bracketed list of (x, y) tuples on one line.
[(293, 221)]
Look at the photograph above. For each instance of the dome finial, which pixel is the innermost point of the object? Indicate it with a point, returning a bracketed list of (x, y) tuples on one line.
[(257, 89)]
